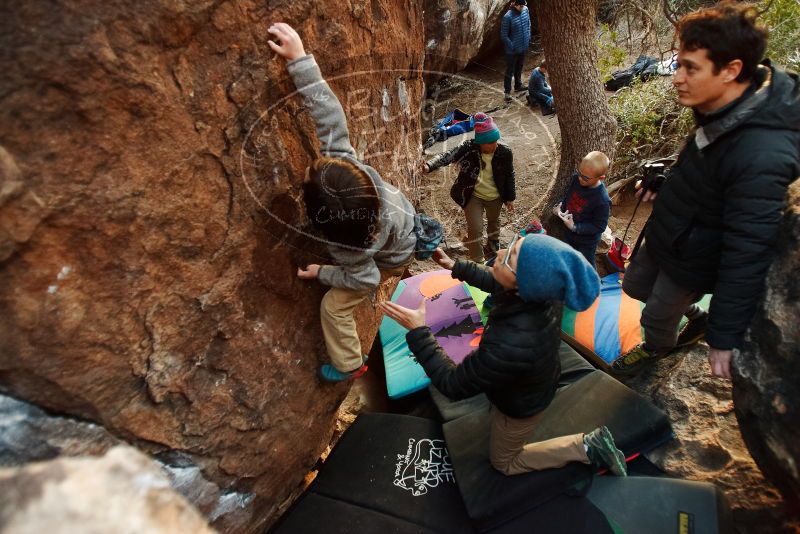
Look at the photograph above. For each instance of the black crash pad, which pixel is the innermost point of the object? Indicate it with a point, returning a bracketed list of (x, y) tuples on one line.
[(573, 368), (595, 399), (661, 505), (563, 514), (396, 465), (317, 514)]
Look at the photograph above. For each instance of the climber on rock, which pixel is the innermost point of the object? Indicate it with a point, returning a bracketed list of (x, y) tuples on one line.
[(367, 223)]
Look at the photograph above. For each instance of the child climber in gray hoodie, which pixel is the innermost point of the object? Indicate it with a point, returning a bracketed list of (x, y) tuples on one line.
[(367, 223)]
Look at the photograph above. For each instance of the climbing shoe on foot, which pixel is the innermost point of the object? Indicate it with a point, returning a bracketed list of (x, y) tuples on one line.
[(693, 331), (507, 98), (521, 88), (603, 452), (635, 360), (329, 373)]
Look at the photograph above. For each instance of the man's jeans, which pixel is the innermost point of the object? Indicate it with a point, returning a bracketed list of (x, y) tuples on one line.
[(544, 102), (513, 68), (665, 301)]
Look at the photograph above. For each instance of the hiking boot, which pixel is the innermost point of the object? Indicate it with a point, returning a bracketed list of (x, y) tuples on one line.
[(329, 373), (635, 360), (603, 452), (693, 331)]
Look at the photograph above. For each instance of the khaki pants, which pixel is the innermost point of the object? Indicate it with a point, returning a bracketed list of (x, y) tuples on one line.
[(510, 453), (338, 325), (473, 212)]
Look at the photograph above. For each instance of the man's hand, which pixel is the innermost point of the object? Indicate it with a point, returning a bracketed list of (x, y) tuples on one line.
[(309, 273), (405, 317), (720, 362), (566, 217), (423, 167), (646, 194), (445, 261), (557, 209), (510, 206), (291, 46)]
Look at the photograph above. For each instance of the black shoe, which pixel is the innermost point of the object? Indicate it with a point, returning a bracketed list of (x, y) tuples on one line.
[(693, 331), (603, 452), (508, 97), (636, 359), (521, 88)]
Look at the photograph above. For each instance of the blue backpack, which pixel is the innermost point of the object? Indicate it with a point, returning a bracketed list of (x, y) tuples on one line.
[(429, 234)]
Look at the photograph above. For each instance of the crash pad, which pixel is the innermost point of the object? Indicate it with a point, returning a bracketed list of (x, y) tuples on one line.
[(610, 327), (492, 499)]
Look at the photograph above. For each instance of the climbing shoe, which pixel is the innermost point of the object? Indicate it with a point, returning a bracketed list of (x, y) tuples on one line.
[(329, 373), (603, 452), (521, 88), (507, 97), (693, 331), (635, 360)]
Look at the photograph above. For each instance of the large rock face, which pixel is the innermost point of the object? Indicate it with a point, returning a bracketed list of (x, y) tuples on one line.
[(150, 161), (766, 388), (122, 492), (458, 31)]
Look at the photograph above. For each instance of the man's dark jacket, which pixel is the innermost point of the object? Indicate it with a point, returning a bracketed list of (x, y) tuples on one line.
[(468, 154), (714, 223), (516, 363)]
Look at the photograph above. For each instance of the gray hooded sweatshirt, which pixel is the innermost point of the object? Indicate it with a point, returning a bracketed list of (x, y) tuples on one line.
[(356, 268)]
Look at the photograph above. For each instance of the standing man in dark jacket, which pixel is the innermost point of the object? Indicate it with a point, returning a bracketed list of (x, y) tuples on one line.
[(516, 363), (485, 183), (714, 225), (515, 31)]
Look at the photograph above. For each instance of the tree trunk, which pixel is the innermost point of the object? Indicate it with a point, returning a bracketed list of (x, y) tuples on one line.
[(568, 36)]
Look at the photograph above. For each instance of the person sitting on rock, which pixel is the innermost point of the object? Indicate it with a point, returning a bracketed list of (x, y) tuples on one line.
[(539, 91), (485, 183), (367, 223), (516, 363)]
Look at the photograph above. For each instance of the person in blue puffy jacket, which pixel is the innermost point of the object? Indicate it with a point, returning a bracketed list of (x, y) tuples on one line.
[(515, 31)]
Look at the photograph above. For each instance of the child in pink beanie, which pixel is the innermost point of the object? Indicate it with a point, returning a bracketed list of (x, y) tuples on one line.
[(484, 184)]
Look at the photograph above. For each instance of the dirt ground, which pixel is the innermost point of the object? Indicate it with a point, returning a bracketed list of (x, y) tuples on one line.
[(534, 140)]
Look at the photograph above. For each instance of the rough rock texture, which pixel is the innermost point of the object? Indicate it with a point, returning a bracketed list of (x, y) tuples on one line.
[(457, 31), (766, 388), (122, 492), (28, 434), (150, 158), (708, 445)]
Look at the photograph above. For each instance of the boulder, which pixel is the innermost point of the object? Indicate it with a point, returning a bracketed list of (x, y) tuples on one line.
[(708, 446), (151, 223), (457, 32), (122, 492), (29, 434), (765, 385)]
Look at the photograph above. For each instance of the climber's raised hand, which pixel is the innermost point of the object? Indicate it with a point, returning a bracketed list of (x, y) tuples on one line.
[(291, 46)]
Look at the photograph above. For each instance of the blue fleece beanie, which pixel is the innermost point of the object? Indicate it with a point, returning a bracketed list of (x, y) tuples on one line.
[(549, 269)]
